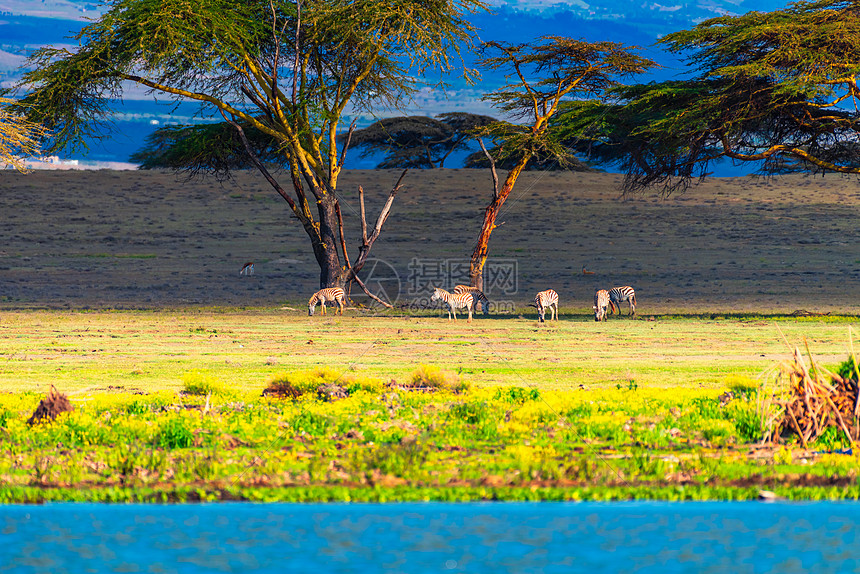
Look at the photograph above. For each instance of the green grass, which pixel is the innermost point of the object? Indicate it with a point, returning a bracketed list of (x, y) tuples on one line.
[(152, 350), (571, 410)]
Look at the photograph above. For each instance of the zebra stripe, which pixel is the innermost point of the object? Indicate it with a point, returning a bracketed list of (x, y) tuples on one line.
[(601, 302), (328, 295), (547, 300), (477, 294), (454, 301), (618, 295)]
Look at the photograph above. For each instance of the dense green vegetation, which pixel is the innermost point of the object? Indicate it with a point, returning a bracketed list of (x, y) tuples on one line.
[(344, 433)]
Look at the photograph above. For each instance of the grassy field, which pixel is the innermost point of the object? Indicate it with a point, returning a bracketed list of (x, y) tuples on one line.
[(151, 350), (129, 300), (169, 407)]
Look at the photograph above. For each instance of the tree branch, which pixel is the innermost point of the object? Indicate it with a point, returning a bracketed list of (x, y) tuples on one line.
[(298, 52), (340, 226), (260, 166), (773, 150), (369, 294), (492, 169), (367, 242), (346, 143), (363, 218)]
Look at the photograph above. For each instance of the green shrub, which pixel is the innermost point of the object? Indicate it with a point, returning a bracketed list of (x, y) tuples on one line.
[(354, 384), (717, 431), (76, 430), (198, 383), (747, 421), (471, 413), (743, 387), (402, 460), (310, 423), (578, 412), (137, 407), (173, 432), (707, 408), (831, 439), (848, 369), (516, 395)]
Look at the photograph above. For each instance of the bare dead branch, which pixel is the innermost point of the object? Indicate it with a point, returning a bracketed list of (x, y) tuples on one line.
[(369, 294), (367, 241), (346, 143), (363, 218), (340, 226), (492, 169)]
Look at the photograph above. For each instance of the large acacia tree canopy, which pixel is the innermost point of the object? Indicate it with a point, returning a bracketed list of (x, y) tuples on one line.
[(222, 53), (541, 79), (214, 148), (777, 87), (418, 141)]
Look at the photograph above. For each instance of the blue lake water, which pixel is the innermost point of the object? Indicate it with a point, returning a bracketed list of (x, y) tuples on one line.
[(417, 538)]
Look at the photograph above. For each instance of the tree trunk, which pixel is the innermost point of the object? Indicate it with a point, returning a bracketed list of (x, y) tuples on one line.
[(482, 248), (331, 271)]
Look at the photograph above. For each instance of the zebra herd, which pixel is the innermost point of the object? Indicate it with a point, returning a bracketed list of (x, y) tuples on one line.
[(466, 297)]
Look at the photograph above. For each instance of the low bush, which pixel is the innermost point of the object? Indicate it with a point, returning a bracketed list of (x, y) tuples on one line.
[(432, 377), (294, 385), (199, 383), (743, 387)]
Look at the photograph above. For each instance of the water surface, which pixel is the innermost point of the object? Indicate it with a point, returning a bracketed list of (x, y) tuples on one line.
[(432, 537)]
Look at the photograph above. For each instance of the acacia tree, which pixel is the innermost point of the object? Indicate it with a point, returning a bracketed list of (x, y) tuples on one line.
[(540, 77), (418, 141), (19, 138), (778, 88), (484, 160), (287, 68), (215, 149)]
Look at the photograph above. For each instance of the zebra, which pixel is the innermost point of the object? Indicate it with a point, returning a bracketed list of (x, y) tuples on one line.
[(547, 300), (477, 294), (601, 302), (330, 295), (618, 295), (454, 301)]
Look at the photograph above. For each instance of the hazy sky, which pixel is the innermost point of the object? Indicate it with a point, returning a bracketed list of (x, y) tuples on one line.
[(79, 9)]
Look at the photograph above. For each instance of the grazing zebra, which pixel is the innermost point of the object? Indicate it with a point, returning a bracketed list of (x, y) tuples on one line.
[(247, 269), (547, 300), (478, 296), (618, 295), (454, 301), (601, 302), (329, 295)]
